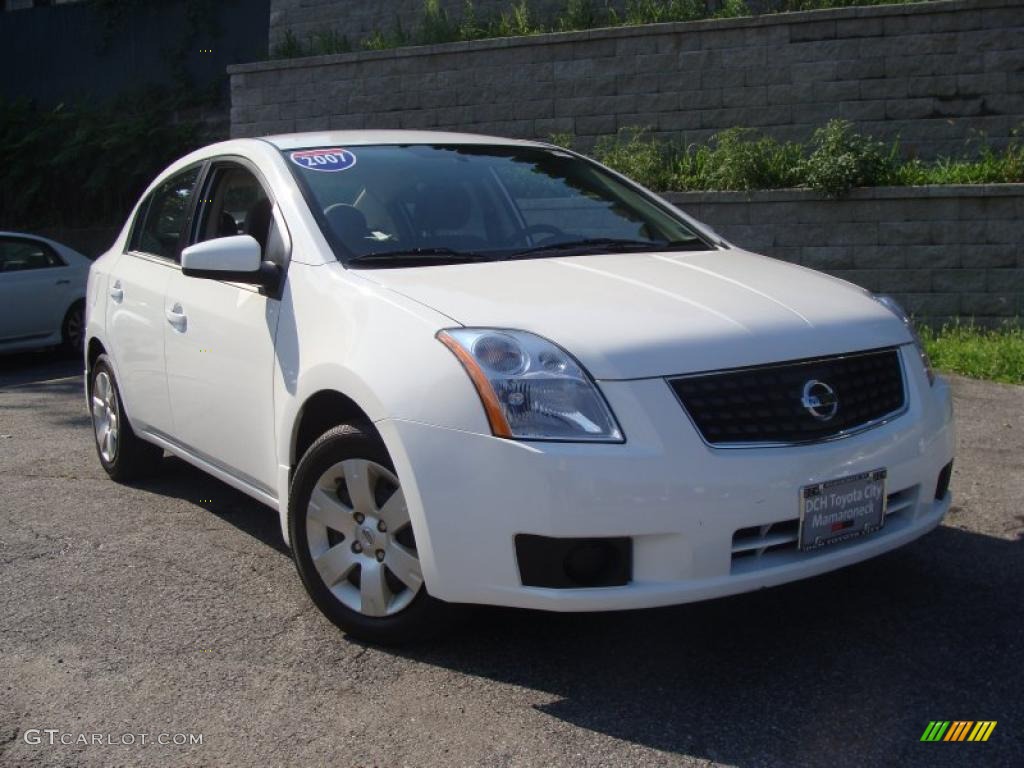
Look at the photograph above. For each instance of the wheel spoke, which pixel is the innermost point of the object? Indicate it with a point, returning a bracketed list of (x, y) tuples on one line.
[(101, 386), (359, 482), (335, 564), (328, 510), (373, 589), (404, 564), (394, 512), (98, 408)]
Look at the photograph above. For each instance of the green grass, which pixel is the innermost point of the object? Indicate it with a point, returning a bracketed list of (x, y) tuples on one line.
[(997, 355)]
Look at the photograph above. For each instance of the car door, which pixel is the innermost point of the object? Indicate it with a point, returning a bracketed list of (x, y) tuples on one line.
[(219, 337), (135, 309), (34, 289)]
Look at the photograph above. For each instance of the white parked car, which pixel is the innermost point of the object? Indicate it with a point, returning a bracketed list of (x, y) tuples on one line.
[(474, 370), (42, 293)]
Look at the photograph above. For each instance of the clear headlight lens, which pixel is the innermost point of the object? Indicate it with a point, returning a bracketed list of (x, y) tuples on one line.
[(893, 306), (531, 388)]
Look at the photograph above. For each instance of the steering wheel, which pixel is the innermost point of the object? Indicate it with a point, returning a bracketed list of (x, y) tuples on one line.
[(534, 229)]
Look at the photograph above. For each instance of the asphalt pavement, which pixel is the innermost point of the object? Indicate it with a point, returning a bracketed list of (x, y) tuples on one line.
[(171, 610)]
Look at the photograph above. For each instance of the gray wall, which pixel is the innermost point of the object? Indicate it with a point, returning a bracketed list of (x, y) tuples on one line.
[(934, 74), (945, 252)]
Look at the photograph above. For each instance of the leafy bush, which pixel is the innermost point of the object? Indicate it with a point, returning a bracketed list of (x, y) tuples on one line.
[(515, 22), (435, 26), (835, 160), (735, 159), (843, 159), (742, 160), (86, 166), (654, 12), (580, 14), (633, 153)]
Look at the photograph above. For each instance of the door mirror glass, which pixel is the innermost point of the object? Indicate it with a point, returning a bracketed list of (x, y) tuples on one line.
[(236, 259)]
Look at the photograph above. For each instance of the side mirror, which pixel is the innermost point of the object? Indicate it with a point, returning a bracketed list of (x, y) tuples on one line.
[(236, 259)]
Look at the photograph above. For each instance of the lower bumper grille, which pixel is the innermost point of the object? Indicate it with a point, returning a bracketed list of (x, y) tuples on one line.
[(795, 402), (761, 546)]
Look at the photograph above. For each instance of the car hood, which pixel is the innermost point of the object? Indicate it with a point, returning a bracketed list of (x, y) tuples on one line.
[(640, 315)]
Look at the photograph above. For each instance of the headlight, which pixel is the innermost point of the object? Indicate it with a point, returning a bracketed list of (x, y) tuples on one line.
[(531, 388), (893, 306)]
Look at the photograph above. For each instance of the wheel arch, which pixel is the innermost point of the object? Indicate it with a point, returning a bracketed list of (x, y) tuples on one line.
[(93, 349), (322, 410)]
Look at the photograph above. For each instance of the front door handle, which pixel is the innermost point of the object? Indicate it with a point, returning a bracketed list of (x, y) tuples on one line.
[(63, 282), (116, 293), (177, 318)]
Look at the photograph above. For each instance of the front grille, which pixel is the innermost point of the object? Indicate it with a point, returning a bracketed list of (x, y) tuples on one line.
[(765, 404)]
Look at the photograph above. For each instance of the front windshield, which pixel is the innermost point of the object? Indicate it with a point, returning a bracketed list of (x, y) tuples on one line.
[(446, 202)]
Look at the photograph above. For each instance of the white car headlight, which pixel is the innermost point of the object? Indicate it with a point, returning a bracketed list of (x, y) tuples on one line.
[(893, 306), (531, 388)]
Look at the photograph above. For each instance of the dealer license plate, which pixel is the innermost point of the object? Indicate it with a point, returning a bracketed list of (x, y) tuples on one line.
[(842, 509)]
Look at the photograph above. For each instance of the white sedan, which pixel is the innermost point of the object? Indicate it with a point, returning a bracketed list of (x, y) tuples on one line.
[(42, 293), (473, 370)]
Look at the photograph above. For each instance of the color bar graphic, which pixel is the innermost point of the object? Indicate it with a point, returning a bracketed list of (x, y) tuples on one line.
[(958, 730)]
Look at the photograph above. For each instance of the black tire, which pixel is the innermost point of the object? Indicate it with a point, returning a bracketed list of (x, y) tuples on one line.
[(72, 329), (132, 457), (424, 617)]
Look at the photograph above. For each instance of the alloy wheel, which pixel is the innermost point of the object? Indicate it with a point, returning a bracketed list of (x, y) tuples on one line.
[(104, 416), (360, 539)]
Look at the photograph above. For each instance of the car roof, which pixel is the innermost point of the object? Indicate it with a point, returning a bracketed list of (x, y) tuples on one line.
[(363, 138)]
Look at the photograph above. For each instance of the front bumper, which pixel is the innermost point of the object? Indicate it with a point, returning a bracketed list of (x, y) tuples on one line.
[(679, 501)]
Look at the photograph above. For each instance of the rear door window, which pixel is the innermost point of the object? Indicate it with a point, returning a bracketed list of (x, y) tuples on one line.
[(163, 216), (20, 254)]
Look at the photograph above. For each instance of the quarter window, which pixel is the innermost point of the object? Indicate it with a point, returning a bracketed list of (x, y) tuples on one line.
[(164, 214), (18, 255)]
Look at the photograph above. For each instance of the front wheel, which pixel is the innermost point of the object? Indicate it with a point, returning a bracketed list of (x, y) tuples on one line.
[(353, 542)]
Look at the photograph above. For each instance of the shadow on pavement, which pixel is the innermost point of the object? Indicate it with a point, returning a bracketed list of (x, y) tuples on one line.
[(847, 668), (20, 368), (178, 479)]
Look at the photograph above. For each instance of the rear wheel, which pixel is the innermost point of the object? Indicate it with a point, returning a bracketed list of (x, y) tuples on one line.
[(72, 330), (123, 455), (353, 541)]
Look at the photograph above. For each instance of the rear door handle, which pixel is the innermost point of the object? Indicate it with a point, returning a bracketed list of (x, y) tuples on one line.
[(116, 293), (63, 282), (177, 318)]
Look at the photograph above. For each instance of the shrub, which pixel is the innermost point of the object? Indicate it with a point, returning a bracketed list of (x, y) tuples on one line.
[(742, 160), (843, 159), (633, 153)]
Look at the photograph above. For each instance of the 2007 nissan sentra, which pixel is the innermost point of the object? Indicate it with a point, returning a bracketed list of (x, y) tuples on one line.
[(475, 370)]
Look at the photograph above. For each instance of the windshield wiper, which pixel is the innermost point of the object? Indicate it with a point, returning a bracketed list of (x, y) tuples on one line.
[(611, 245), (415, 256)]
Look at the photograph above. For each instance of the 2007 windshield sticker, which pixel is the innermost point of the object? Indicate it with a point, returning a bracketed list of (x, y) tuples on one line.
[(329, 160)]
